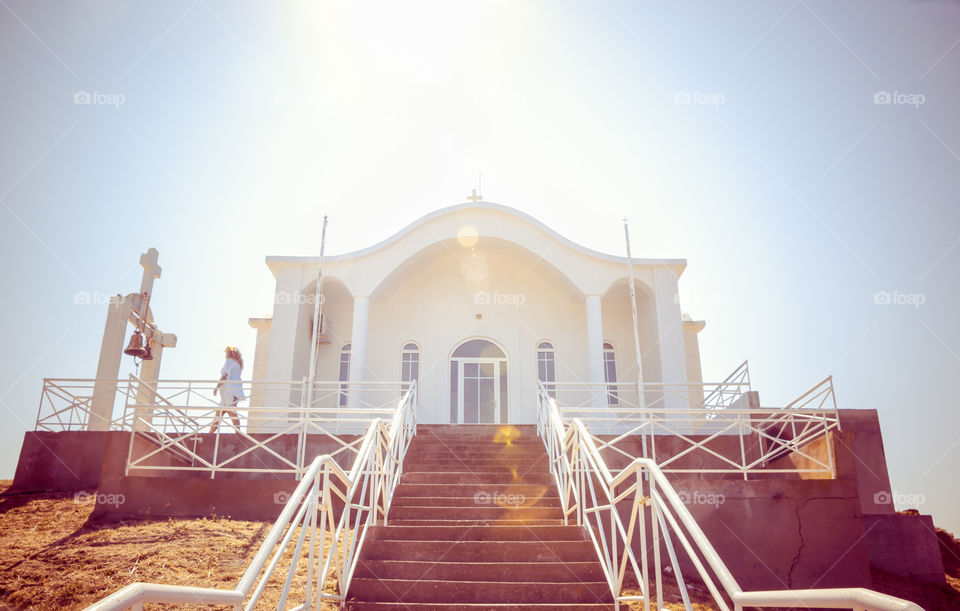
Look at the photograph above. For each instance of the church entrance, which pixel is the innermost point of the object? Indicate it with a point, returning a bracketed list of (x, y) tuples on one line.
[(478, 383)]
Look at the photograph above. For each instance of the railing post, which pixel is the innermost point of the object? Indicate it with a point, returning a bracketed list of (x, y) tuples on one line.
[(828, 436), (216, 445), (743, 451), (308, 603), (301, 432), (644, 568), (43, 394), (655, 529)]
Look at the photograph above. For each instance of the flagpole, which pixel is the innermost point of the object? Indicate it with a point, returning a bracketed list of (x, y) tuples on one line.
[(317, 313), (636, 333)]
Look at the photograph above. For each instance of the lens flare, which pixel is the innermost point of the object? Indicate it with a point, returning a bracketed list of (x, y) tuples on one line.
[(467, 236)]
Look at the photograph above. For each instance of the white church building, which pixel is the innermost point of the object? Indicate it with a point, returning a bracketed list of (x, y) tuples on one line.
[(477, 302)]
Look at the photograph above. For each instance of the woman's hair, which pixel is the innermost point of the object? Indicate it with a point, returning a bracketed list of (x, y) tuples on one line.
[(234, 353)]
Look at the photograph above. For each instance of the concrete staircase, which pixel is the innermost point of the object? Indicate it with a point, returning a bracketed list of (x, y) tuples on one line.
[(476, 524)]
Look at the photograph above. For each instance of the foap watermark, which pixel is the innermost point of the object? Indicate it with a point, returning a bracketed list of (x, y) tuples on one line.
[(281, 497), (94, 298), (99, 498), (286, 297), (898, 498), (500, 499), (497, 298), (697, 497), (98, 98), (899, 98), (699, 98), (899, 298)]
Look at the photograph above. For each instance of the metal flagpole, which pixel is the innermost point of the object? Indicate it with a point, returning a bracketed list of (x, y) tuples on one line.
[(317, 313), (314, 349), (636, 334)]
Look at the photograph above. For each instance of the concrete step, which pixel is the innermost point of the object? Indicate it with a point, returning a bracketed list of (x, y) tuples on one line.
[(477, 467), (481, 551), (480, 571), (478, 512), (470, 501), (493, 532), (469, 490), (421, 439), (467, 443), (478, 454), (476, 477), (506, 462), (465, 430), (468, 523), (433, 591)]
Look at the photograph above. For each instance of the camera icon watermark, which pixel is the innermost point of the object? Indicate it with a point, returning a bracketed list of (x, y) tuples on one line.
[(497, 298), (699, 98), (697, 497), (884, 497), (899, 298), (499, 499), (899, 98), (99, 498), (281, 497), (94, 298), (98, 98)]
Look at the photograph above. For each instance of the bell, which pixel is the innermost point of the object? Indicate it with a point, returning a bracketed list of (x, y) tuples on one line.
[(135, 347), (148, 353)]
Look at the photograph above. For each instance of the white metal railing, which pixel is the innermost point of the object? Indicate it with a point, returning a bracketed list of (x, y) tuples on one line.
[(308, 530), (180, 426), (66, 403), (717, 428), (615, 509)]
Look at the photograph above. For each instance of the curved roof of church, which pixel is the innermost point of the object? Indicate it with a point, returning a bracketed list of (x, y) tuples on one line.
[(680, 264)]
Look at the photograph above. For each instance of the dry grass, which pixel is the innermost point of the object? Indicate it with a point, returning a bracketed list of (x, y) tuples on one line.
[(53, 557)]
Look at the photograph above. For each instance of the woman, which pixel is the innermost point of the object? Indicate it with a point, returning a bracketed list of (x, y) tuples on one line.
[(232, 389)]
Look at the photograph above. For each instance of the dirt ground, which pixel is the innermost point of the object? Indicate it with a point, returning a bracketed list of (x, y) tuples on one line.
[(52, 556)]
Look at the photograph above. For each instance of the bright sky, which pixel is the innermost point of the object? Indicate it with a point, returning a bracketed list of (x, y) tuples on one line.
[(745, 137)]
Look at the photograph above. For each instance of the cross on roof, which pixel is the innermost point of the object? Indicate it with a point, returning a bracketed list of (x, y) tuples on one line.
[(151, 270), (474, 197)]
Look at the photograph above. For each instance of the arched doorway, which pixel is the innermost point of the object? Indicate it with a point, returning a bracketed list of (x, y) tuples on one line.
[(478, 383)]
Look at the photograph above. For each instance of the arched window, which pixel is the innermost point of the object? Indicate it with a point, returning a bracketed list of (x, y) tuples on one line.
[(547, 367), (409, 364), (610, 373), (344, 373)]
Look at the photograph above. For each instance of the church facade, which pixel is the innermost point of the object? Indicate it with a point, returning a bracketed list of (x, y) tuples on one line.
[(477, 302)]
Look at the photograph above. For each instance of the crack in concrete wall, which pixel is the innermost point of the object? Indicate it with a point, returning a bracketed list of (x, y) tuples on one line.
[(803, 543)]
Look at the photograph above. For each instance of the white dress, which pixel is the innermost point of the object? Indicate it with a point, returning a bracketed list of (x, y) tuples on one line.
[(232, 391)]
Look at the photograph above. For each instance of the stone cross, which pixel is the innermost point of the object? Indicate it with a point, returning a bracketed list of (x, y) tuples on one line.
[(151, 271), (111, 349)]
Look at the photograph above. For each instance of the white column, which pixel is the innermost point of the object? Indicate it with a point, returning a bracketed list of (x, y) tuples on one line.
[(261, 357), (283, 337), (673, 359), (108, 368), (146, 398), (595, 347), (358, 349)]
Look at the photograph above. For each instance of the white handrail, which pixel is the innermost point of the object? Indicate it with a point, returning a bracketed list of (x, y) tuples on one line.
[(589, 491), (366, 491)]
